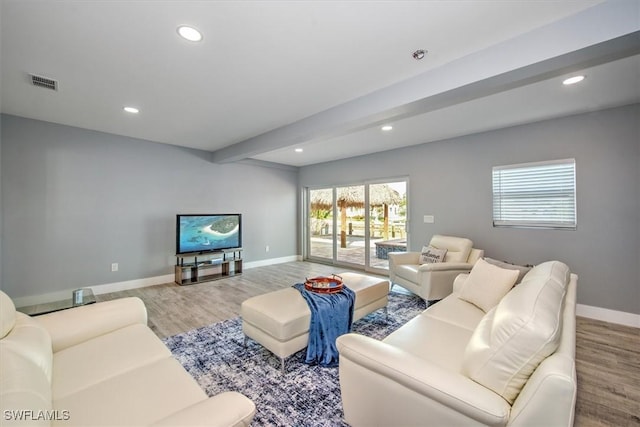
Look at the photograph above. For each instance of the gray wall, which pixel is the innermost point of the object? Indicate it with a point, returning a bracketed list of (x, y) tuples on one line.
[(1, 227), (452, 180), (74, 201)]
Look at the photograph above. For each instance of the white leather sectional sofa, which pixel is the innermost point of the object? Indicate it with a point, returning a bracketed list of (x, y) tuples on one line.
[(511, 362), (100, 365)]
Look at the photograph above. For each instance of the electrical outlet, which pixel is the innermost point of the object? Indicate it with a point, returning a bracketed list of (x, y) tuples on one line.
[(429, 219), (266, 248), (114, 266)]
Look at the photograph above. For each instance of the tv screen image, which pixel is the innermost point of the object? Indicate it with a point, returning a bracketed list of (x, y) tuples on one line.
[(208, 233)]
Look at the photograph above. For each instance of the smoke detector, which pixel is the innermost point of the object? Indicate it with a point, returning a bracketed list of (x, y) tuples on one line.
[(44, 82), (419, 54)]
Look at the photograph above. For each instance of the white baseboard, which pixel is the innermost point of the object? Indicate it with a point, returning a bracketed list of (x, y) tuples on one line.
[(597, 313), (606, 315), (131, 284), (265, 262), (97, 290)]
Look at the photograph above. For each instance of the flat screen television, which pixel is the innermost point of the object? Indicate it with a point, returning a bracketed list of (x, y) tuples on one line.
[(207, 232)]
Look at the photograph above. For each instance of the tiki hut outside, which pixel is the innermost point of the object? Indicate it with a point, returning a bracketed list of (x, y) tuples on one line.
[(380, 195)]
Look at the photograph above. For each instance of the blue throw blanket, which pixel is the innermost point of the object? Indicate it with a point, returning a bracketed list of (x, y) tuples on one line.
[(331, 316)]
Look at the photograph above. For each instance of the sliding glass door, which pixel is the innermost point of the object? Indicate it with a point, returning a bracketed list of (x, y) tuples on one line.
[(356, 225), (320, 224), (350, 227), (387, 222)]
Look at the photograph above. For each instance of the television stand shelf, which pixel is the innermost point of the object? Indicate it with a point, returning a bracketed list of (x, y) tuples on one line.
[(199, 267)]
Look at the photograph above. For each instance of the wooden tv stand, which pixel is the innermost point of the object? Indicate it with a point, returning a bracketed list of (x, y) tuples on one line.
[(199, 267)]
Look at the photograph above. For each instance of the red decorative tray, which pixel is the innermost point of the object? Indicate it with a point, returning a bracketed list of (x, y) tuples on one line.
[(324, 285)]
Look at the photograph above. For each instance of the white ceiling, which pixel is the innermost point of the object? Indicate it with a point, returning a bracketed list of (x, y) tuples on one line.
[(322, 75)]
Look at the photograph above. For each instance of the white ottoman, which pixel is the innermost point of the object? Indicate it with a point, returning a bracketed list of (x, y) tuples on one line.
[(279, 320)]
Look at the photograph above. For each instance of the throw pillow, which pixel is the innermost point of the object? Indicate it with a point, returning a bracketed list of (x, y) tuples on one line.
[(522, 269), (487, 284), (431, 255)]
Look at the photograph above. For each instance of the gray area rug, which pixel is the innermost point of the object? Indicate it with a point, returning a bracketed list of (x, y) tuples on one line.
[(305, 395)]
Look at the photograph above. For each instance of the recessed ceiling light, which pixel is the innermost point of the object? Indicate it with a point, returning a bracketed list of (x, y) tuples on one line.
[(386, 128), (573, 80), (189, 33), (132, 110), (298, 150)]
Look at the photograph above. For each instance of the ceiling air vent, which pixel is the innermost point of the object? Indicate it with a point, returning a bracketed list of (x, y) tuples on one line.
[(44, 82)]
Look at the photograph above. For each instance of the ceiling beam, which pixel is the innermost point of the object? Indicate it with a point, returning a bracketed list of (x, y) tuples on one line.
[(598, 35)]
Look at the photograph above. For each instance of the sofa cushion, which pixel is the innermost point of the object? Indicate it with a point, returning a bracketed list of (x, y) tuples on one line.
[(104, 357), (487, 284), (136, 398), (457, 312), (519, 333), (429, 338), (430, 255)]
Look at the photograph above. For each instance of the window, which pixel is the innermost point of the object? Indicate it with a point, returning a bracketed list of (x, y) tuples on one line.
[(539, 195)]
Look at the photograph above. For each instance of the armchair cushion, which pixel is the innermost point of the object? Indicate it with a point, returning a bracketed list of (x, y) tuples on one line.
[(487, 284), (458, 248), (431, 255)]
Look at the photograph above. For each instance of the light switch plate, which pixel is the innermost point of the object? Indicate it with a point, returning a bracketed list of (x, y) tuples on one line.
[(429, 219)]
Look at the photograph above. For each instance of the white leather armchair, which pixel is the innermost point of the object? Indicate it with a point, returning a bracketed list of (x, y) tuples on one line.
[(433, 281)]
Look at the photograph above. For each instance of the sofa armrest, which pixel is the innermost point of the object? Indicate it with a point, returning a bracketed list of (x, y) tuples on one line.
[(398, 258), (446, 266), (222, 410), (79, 324), (450, 391)]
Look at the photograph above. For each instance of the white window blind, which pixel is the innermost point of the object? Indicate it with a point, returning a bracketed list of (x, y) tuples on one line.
[(541, 195)]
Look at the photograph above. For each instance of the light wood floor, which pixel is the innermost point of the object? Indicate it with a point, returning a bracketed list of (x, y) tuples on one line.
[(607, 355)]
